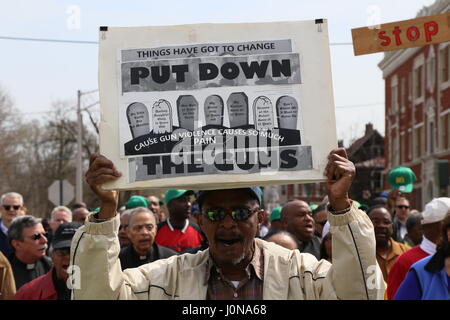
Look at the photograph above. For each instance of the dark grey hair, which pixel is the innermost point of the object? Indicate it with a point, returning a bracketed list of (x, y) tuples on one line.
[(134, 212), (413, 220), (15, 231)]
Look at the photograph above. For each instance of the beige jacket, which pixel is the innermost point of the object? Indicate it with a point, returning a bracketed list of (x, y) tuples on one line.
[(7, 283), (288, 274)]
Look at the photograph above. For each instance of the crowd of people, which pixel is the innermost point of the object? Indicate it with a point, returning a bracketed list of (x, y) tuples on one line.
[(154, 249)]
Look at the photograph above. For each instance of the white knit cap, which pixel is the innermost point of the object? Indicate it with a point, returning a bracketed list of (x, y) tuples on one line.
[(436, 210)]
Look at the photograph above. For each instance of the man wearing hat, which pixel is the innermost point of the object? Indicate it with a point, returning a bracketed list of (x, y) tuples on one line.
[(53, 284), (177, 232), (433, 215), (275, 219), (237, 265)]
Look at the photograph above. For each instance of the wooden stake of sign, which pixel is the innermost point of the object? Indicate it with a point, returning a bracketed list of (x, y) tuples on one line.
[(402, 34)]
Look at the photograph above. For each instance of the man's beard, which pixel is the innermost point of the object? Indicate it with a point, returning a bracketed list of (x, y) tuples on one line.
[(238, 260)]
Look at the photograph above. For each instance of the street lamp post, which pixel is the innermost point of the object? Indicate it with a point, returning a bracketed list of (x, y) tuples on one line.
[(79, 167)]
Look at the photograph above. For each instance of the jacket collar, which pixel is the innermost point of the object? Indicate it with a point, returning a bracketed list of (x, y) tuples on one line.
[(428, 246)]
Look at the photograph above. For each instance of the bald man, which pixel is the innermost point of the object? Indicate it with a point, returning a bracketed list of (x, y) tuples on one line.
[(296, 218)]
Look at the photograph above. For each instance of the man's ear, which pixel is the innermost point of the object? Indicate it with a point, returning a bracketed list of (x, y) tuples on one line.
[(16, 244), (261, 214)]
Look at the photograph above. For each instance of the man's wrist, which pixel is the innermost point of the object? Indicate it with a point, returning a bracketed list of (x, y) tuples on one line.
[(340, 205), (107, 211)]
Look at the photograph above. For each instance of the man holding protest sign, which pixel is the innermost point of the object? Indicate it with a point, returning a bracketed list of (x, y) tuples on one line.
[(236, 265)]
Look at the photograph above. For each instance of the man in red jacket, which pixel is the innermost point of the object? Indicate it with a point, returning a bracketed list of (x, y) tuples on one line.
[(52, 285)]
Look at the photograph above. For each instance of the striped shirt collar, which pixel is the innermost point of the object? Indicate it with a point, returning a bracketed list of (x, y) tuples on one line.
[(186, 225)]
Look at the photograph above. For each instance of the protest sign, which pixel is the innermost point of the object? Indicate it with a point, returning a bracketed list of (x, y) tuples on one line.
[(402, 34), (216, 105)]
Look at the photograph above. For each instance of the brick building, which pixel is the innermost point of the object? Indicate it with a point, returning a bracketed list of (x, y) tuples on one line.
[(417, 95), (367, 153)]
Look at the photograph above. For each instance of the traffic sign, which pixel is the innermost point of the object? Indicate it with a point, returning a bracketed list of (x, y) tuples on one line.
[(61, 192)]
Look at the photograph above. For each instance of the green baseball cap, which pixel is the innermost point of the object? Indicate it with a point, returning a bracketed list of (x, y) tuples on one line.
[(275, 214), (175, 194), (136, 201), (402, 178)]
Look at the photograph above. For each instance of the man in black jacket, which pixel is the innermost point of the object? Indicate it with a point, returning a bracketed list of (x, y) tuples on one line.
[(142, 231), (28, 239)]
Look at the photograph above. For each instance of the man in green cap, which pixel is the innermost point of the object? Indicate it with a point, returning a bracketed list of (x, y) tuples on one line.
[(275, 219), (177, 232)]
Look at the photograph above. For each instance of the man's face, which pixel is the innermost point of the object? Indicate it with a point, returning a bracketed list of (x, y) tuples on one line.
[(416, 233), (402, 209), (34, 243), (79, 215), (59, 218), (61, 261), (297, 219), (142, 232), (230, 241), (276, 225), (11, 208), (123, 236), (382, 223), (153, 204), (180, 208), (320, 218)]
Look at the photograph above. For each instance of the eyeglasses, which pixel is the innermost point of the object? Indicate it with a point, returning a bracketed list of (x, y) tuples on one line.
[(123, 226), (8, 207), (237, 213), (38, 236), (402, 207), (138, 228)]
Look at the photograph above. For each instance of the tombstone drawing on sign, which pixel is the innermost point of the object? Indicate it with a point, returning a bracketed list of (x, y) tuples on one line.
[(138, 119), (162, 116), (187, 108), (287, 112), (214, 110), (263, 113), (237, 105)]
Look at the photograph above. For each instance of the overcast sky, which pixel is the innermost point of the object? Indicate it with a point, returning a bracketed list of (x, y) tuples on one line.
[(36, 74)]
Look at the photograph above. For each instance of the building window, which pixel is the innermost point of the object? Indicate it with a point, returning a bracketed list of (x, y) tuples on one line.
[(418, 142), (394, 95), (444, 63), (402, 148), (447, 138), (410, 86), (418, 79), (410, 144), (418, 73), (402, 94), (431, 137), (431, 70)]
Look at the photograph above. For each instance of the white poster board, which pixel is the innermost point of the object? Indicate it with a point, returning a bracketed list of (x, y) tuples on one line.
[(216, 105)]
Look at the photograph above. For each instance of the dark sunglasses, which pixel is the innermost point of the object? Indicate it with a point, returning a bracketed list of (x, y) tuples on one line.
[(237, 213), (323, 223), (123, 226), (8, 207), (402, 207), (37, 236)]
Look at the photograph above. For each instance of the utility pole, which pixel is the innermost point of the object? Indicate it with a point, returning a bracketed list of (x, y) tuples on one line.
[(79, 171), (79, 178)]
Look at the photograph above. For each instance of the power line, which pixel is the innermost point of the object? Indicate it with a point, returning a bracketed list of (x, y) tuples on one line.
[(96, 42), (48, 40)]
